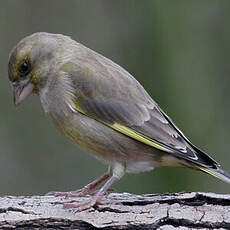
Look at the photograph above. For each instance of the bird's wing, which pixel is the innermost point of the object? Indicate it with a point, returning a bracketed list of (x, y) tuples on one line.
[(150, 127), (109, 94)]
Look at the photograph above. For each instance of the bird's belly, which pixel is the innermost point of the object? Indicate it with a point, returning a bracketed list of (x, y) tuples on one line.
[(108, 145)]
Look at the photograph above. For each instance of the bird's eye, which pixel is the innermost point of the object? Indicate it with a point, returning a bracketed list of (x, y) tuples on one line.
[(24, 68)]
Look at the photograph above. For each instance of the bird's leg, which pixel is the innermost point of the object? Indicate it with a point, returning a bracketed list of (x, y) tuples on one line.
[(94, 199), (86, 190), (118, 171)]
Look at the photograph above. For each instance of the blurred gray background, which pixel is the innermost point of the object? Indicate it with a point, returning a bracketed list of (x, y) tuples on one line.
[(178, 50)]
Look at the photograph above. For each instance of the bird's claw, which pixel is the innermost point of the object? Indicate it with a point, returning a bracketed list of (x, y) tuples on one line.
[(82, 206), (79, 207)]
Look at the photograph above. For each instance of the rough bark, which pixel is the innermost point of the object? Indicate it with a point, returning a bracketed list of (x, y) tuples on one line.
[(127, 211)]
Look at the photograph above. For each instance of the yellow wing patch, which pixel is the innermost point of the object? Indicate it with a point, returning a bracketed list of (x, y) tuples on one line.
[(128, 132), (137, 136)]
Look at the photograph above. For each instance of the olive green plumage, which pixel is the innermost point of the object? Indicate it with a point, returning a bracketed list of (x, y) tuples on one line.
[(100, 107)]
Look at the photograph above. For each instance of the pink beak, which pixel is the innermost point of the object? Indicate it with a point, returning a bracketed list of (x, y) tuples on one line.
[(22, 91)]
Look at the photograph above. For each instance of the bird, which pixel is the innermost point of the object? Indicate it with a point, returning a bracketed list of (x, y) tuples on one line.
[(101, 108)]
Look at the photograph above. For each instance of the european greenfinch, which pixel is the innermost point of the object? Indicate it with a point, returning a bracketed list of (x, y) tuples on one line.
[(102, 108)]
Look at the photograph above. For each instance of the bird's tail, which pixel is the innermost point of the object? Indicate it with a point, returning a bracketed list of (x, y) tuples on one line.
[(218, 173)]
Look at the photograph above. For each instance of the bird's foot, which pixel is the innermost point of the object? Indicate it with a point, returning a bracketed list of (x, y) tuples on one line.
[(89, 189), (79, 207), (94, 200)]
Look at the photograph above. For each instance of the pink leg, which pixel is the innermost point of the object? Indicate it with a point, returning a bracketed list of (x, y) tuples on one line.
[(95, 199), (86, 190)]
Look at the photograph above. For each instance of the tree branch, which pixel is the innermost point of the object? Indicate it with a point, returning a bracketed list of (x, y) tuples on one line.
[(127, 211)]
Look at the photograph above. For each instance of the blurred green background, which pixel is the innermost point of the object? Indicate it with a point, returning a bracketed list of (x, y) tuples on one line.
[(178, 50)]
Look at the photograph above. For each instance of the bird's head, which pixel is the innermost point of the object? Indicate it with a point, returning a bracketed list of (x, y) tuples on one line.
[(31, 62)]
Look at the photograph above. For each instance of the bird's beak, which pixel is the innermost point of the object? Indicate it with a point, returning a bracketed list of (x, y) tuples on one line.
[(21, 91)]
